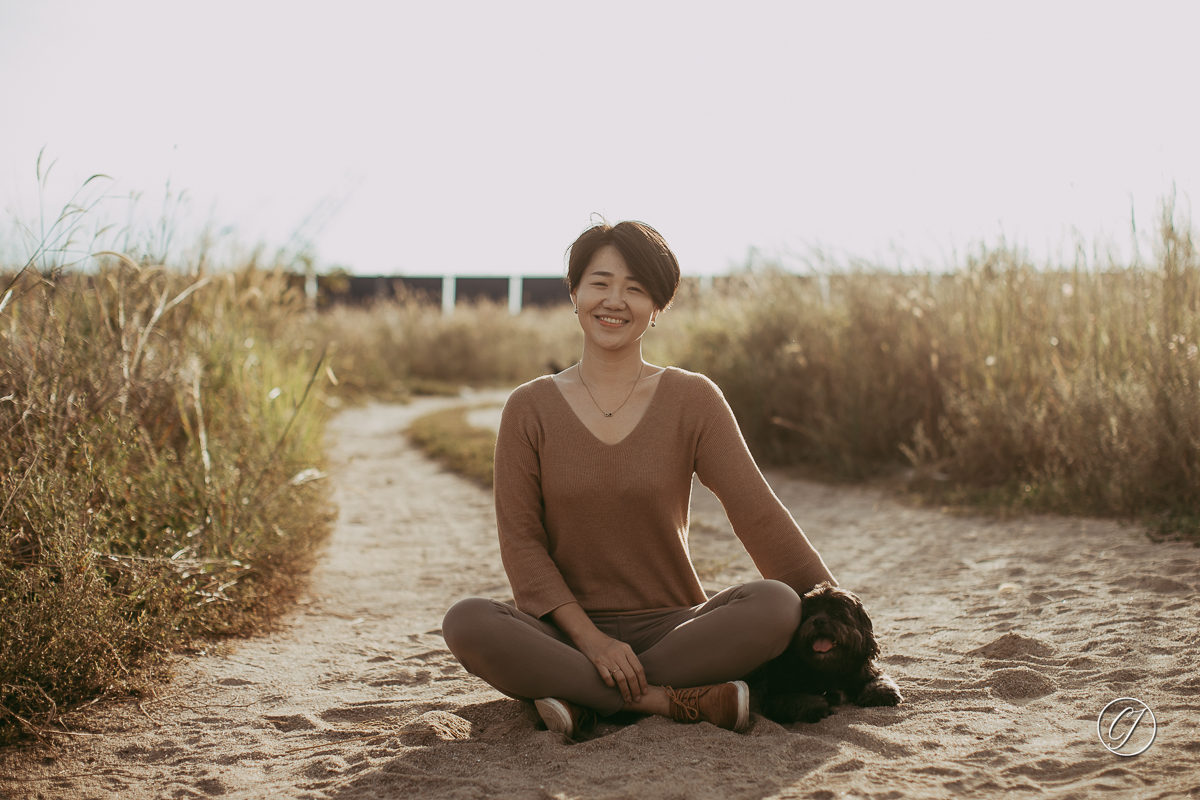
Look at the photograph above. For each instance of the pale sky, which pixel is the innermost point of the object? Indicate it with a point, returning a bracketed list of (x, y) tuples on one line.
[(479, 137)]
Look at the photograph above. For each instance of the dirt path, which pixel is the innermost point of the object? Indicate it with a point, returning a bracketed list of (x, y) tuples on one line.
[(1007, 638)]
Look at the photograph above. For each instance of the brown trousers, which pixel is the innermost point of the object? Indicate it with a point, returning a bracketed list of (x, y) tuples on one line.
[(723, 639)]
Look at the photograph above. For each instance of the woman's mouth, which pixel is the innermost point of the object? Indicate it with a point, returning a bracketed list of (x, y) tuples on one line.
[(611, 320)]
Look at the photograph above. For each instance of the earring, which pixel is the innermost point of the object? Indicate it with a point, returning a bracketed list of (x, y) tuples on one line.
[(651, 323), (576, 310)]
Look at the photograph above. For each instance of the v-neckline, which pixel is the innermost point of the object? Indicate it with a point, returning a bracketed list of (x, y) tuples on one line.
[(649, 408)]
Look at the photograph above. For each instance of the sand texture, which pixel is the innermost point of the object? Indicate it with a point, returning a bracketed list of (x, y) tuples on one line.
[(1007, 639)]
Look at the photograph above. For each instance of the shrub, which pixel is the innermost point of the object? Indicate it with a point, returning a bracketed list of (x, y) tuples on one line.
[(155, 446)]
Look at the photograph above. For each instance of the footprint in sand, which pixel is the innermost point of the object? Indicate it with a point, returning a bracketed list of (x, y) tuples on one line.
[(325, 767), (359, 714), (1154, 583), (403, 677), (1017, 683), (293, 722), (1181, 566)]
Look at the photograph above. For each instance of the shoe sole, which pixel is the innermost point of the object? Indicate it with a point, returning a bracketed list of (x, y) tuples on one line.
[(743, 700), (557, 716)]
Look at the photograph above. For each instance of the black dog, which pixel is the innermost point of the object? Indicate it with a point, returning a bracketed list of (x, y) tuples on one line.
[(830, 661)]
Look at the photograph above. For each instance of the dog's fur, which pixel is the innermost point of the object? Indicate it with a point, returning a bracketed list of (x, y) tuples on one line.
[(804, 685)]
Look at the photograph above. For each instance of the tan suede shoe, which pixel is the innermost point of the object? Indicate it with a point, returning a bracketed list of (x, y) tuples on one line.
[(566, 718), (726, 705)]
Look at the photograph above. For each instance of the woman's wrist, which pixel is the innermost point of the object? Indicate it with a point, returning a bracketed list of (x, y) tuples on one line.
[(572, 620), (615, 660), (591, 642)]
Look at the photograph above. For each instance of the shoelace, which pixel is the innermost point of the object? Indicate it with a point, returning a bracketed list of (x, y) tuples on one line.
[(686, 699)]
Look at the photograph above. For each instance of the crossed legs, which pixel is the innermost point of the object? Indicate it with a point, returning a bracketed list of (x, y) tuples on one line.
[(527, 658)]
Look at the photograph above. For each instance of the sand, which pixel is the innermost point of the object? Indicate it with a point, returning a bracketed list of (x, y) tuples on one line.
[(1007, 638)]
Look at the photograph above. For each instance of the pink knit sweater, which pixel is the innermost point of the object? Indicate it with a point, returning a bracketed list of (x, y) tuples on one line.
[(607, 525)]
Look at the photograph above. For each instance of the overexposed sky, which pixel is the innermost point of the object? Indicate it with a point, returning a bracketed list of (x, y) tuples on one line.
[(479, 137)]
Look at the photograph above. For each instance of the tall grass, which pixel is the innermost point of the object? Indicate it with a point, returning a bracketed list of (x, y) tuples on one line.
[(1001, 382), (394, 348), (157, 457), (1074, 389)]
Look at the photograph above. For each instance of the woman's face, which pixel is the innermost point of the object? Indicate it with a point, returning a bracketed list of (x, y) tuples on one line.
[(614, 308)]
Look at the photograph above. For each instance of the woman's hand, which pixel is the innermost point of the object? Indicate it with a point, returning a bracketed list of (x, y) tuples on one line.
[(614, 660), (617, 665)]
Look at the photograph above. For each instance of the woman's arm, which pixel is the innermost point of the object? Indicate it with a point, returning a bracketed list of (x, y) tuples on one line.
[(614, 660), (775, 542), (537, 584)]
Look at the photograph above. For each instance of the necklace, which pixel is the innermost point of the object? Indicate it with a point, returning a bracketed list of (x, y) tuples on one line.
[(618, 408)]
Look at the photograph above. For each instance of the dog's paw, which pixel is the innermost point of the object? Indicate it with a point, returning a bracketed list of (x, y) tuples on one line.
[(812, 708), (882, 691), (799, 708)]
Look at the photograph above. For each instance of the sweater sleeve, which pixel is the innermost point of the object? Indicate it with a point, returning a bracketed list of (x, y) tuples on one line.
[(538, 586), (771, 536)]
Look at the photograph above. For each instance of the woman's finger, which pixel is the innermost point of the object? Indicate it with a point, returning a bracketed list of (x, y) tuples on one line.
[(620, 669), (623, 683), (627, 670), (636, 677), (639, 684)]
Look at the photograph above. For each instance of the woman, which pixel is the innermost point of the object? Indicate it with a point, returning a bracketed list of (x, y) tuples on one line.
[(593, 481)]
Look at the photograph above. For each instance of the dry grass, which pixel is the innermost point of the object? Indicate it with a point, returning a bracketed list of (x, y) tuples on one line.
[(1002, 384), (449, 438), (1073, 390), (393, 349), (155, 432)]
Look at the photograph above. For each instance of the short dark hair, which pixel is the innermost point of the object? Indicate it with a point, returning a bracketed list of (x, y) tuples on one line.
[(645, 252)]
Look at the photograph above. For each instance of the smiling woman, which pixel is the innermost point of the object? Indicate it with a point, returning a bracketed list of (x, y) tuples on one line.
[(621, 278), (643, 251), (593, 476), (613, 300)]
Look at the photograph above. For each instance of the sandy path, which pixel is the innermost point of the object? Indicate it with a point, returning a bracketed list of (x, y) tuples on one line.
[(1070, 614)]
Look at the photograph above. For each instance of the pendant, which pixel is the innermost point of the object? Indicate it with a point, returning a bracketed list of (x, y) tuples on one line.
[(609, 414)]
